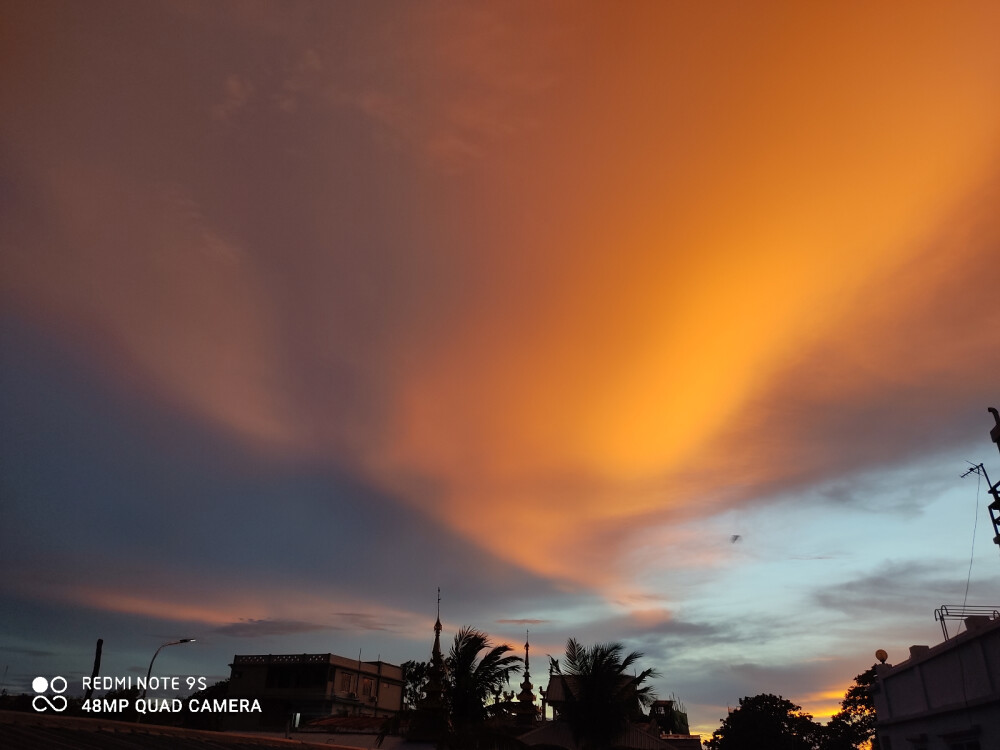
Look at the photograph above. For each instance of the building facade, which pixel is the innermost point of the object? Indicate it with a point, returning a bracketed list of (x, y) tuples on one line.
[(294, 688), (666, 728), (945, 697)]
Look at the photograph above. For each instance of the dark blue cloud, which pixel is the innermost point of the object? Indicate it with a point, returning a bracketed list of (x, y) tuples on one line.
[(103, 487)]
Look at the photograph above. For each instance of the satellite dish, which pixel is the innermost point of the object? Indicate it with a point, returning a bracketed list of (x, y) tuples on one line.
[(881, 655)]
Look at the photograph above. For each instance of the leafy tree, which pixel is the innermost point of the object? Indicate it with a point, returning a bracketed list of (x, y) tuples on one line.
[(853, 727), (766, 722), (473, 679), (600, 694), (674, 719), (415, 677)]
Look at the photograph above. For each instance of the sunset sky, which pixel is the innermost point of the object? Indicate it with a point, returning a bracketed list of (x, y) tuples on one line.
[(307, 309)]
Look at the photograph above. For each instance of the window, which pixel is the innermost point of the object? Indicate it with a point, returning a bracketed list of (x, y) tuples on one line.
[(345, 682), (367, 686)]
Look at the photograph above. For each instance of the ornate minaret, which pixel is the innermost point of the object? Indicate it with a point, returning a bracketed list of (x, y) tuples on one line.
[(435, 681), (525, 708), (431, 720)]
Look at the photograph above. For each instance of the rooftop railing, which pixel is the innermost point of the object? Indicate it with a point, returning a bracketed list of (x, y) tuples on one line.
[(962, 612)]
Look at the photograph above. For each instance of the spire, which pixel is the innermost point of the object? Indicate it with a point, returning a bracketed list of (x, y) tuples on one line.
[(436, 651), (435, 675), (526, 699), (430, 721)]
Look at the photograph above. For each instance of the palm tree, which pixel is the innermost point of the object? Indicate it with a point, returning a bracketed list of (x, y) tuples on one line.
[(472, 679), (600, 695)]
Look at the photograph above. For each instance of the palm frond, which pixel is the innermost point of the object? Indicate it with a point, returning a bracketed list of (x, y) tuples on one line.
[(474, 679), (601, 696)]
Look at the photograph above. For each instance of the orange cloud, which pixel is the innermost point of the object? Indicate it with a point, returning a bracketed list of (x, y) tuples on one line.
[(677, 278), (621, 260)]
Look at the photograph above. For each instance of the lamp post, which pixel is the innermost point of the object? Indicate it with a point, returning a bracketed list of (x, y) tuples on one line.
[(150, 670)]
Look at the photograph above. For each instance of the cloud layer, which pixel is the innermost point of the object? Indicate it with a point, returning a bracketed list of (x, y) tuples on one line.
[(310, 309)]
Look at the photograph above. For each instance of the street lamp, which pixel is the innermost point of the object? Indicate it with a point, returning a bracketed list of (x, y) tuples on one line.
[(150, 670)]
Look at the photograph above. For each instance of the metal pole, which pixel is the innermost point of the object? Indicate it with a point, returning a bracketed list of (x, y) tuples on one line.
[(97, 668), (150, 670), (994, 507)]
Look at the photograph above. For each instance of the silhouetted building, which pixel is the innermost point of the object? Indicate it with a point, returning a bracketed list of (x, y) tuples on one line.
[(641, 733), (562, 687), (430, 720), (525, 707), (669, 718), (295, 688), (945, 697)]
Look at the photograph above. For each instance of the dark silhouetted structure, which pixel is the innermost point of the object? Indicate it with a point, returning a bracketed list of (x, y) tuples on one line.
[(430, 720), (295, 688), (655, 732), (994, 489), (947, 697), (525, 708)]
